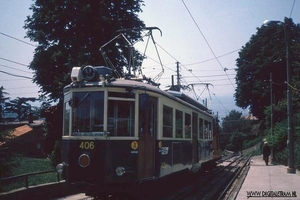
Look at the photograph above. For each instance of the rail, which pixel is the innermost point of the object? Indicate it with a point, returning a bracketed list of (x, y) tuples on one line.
[(25, 176)]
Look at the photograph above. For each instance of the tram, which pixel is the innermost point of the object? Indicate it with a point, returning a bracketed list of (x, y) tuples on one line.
[(119, 132)]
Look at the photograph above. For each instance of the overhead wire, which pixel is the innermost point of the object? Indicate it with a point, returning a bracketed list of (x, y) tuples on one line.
[(13, 61), (18, 39), (15, 75), (15, 69), (184, 66), (206, 41), (190, 71)]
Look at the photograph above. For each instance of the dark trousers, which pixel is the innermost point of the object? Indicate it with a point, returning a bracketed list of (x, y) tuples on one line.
[(266, 159)]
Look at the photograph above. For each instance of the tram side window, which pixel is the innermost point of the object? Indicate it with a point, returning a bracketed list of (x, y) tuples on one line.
[(120, 118), (167, 121), (195, 126), (207, 130), (200, 128), (187, 125), (179, 124), (210, 133)]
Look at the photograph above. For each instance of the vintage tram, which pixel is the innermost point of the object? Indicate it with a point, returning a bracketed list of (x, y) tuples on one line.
[(121, 132)]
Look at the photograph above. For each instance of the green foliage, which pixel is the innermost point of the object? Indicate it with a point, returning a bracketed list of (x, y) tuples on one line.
[(6, 157), (279, 113), (279, 136), (262, 55), (20, 106), (236, 141), (53, 126), (2, 100), (230, 123), (250, 143), (69, 33), (29, 165), (278, 140), (235, 122), (281, 157)]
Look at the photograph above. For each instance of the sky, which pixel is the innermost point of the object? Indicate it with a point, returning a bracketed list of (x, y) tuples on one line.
[(204, 36)]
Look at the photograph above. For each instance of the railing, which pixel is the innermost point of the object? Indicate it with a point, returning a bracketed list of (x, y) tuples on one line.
[(254, 148), (10, 180)]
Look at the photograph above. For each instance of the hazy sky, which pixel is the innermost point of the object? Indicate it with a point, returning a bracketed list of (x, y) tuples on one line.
[(203, 35)]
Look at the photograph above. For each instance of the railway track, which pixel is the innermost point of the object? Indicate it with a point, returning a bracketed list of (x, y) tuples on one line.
[(221, 183)]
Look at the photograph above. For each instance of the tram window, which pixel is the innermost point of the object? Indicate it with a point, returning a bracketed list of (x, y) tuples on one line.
[(67, 119), (195, 126), (147, 118), (121, 95), (88, 112), (210, 136), (179, 124), (200, 128), (167, 121), (207, 130), (187, 125), (120, 118)]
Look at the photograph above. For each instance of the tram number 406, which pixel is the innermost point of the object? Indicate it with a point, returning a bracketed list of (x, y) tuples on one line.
[(87, 145)]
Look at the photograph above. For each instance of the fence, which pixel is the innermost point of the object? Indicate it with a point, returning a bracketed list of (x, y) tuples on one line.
[(13, 182), (254, 149)]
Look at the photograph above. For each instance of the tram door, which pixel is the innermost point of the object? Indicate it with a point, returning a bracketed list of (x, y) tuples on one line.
[(147, 133)]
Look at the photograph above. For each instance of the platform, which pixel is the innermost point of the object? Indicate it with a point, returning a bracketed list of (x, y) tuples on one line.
[(269, 182)]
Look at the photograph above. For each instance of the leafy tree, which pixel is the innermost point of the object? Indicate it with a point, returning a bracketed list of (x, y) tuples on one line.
[(69, 33), (19, 106), (236, 141), (2, 101), (264, 54), (54, 119), (235, 122)]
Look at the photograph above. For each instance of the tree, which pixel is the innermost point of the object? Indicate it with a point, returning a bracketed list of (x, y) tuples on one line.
[(69, 33), (232, 122), (2, 101), (262, 55), (20, 106)]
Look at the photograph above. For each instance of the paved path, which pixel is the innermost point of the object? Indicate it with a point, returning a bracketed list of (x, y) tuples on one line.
[(263, 180)]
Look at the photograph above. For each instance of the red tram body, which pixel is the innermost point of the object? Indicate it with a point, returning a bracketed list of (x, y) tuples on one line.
[(118, 132)]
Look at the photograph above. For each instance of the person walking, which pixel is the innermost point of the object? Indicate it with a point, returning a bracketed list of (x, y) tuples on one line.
[(266, 152)]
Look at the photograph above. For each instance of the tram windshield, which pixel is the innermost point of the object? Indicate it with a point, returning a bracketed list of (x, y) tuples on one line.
[(88, 111)]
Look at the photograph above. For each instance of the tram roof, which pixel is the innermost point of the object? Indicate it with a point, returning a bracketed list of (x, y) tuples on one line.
[(139, 85)]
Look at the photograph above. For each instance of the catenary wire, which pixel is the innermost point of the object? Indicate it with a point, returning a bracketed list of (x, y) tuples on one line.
[(206, 40), (18, 39), (15, 69), (15, 75)]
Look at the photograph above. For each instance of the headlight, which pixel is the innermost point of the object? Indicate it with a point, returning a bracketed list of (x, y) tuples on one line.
[(60, 168), (120, 171), (84, 160)]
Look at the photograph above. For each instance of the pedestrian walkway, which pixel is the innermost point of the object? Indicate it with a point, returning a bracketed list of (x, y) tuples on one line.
[(269, 182)]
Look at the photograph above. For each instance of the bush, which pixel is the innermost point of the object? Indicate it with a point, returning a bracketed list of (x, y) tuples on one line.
[(282, 157), (7, 161)]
